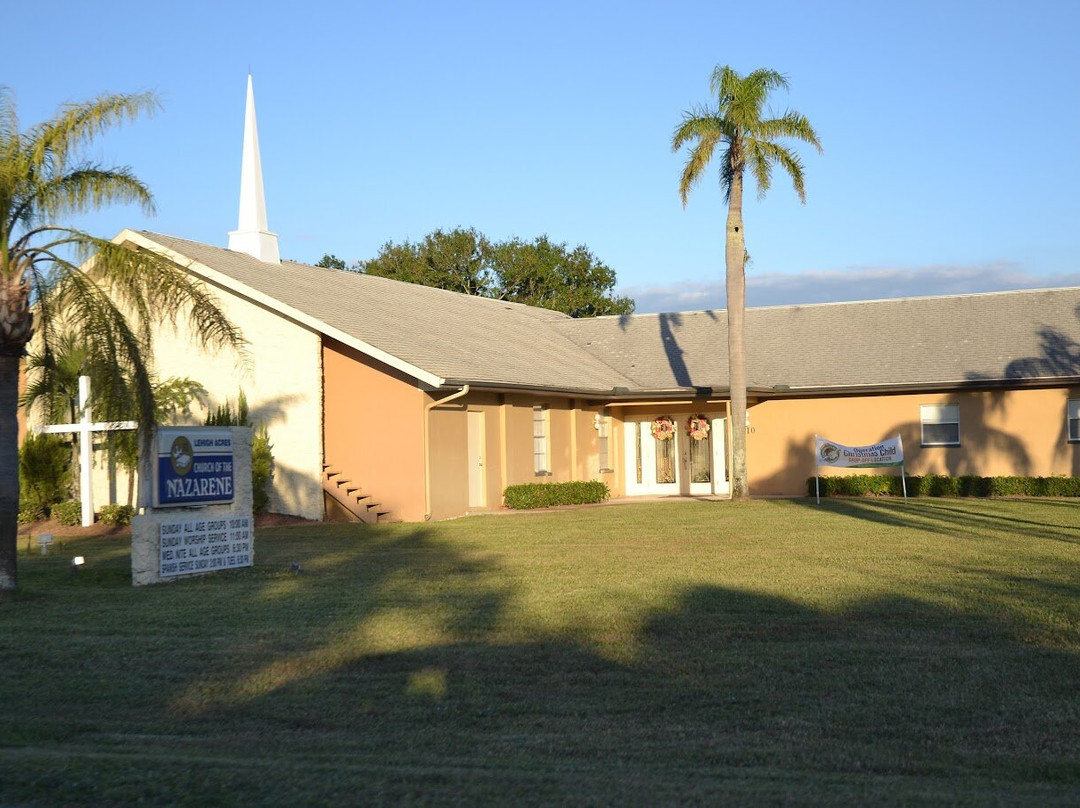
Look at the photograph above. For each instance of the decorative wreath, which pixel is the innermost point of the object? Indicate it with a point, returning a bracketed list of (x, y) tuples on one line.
[(663, 428), (697, 427)]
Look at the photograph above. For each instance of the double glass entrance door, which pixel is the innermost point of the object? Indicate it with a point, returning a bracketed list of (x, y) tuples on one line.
[(673, 459)]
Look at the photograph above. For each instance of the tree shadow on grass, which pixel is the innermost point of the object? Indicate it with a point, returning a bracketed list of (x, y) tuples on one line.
[(892, 690), (953, 516), (399, 666)]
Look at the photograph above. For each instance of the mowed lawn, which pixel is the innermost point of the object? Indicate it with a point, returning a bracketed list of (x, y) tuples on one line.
[(862, 651)]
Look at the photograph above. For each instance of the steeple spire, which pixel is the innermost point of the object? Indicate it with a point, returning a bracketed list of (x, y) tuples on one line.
[(251, 235)]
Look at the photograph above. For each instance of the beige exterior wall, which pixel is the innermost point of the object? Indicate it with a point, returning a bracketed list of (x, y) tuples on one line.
[(373, 433), (282, 380), (508, 447), (1019, 432)]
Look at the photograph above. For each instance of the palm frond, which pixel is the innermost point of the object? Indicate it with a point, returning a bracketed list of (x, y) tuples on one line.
[(157, 291), (86, 188), (760, 162), (697, 161), (730, 164), (117, 352), (698, 122), (792, 125), (54, 142)]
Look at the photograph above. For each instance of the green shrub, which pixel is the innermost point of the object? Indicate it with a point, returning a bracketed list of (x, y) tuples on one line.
[(262, 468), (544, 495), (1062, 486), (974, 486), (1009, 487), (939, 485), (31, 512), (116, 514), (44, 471), (68, 512), (262, 458), (861, 485)]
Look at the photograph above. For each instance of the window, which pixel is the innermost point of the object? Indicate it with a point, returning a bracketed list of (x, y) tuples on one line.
[(1074, 420), (603, 431), (637, 448), (940, 424), (541, 455)]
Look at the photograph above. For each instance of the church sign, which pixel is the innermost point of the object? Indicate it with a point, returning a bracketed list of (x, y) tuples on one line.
[(209, 543), (194, 466)]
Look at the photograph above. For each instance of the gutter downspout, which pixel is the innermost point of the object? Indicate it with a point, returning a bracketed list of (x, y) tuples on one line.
[(427, 445)]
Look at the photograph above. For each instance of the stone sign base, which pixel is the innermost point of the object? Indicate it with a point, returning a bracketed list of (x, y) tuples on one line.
[(170, 543)]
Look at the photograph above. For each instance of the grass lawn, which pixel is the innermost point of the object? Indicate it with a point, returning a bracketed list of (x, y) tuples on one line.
[(863, 651)]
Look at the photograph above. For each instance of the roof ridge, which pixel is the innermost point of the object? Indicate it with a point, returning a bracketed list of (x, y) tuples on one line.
[(871, 301)]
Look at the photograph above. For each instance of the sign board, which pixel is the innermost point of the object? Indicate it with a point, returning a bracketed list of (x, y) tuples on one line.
[(887, 453), (193, 466), (219, 541), (878, 455)]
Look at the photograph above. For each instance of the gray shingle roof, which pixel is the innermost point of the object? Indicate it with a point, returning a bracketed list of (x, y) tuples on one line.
[(1027, 335), (453, 336)]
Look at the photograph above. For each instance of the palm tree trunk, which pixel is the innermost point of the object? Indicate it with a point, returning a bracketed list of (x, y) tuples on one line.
[(9, 469), (735, 254)]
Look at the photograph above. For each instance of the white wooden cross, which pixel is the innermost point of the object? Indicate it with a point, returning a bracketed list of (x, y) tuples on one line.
[(85, 429)]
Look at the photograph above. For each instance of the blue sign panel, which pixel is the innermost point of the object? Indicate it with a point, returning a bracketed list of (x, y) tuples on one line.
[(194, 466)]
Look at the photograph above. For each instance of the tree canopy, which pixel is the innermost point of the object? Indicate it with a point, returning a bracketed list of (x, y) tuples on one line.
[(540, 272)]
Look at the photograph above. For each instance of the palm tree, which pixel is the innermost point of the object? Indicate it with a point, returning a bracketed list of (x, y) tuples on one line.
[(56, 279), (748, 141)]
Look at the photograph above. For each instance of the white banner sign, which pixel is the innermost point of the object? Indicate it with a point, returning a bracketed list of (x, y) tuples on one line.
[(887, 453)]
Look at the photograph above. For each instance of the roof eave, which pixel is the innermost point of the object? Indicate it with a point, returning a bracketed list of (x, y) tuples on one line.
[(783, 391)]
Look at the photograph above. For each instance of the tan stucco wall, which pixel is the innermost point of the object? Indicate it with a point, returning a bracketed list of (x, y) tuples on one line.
[(282, 379), (508, 428), (1021, 432), (373, 429)]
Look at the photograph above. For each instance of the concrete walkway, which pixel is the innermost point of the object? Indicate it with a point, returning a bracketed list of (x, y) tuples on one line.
[(503, 511)]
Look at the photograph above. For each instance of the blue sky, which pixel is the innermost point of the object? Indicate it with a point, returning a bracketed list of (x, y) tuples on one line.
[(950, 165)]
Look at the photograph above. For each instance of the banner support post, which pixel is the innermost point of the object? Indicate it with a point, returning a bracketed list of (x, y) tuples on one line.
[(817, 472)]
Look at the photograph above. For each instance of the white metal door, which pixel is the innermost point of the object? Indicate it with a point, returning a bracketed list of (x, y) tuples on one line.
[(477, 487)]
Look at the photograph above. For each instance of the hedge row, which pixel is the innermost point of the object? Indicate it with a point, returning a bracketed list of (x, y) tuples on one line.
[(544, 495), (935, 485)]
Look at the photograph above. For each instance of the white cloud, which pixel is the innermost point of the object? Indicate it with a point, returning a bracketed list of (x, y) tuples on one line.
[(857, 283)]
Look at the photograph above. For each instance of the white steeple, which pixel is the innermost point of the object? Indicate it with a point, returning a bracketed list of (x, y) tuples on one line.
[(251, 235)]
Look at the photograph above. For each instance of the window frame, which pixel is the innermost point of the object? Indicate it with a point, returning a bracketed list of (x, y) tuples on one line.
[(603, 442), (541, 458), (940, 420), (1072, 420)]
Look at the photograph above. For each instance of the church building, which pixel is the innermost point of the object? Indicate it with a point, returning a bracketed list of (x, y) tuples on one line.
[(388, 400)]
